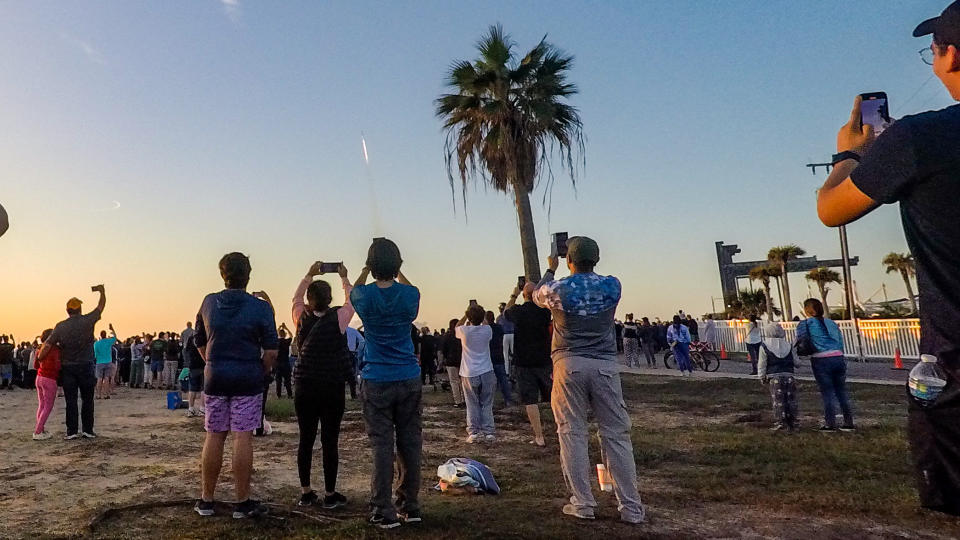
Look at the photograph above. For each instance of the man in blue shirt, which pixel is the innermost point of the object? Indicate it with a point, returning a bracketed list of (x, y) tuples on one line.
[(586, 375), (391, 386), (103, 353)]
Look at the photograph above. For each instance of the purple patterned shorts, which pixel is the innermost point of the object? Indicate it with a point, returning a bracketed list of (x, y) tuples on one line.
[(232, 413)]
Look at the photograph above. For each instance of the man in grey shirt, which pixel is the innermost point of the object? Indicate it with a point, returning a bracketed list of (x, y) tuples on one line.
[(74, 337), (586, 376)]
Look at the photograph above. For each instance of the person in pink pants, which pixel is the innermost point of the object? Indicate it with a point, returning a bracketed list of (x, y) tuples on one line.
[(47, 373)]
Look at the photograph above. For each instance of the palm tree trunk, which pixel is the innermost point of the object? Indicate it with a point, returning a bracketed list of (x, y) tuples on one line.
[(766, 292), (823, 297), (528, 236), (787, 307), (913, 302)]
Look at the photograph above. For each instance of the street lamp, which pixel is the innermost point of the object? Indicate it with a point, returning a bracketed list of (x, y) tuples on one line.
[(847, 273)]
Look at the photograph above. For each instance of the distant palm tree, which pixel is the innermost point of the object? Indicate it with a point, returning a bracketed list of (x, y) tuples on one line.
[(780, 256), (763, 274), (823, 276), (752, 303), (503, 121), (903, 263)]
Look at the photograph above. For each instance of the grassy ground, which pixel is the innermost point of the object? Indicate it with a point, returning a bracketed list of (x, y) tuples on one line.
[(708, 467)]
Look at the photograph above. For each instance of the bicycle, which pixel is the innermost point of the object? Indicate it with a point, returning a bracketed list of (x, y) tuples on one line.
[(701, 356)]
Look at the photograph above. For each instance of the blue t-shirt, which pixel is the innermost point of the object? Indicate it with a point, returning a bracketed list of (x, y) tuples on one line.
[(102, 350), (235, 328), (387, 315)]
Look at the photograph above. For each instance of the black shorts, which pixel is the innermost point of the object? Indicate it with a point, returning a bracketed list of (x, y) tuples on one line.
[(196, 380), (535, 384)]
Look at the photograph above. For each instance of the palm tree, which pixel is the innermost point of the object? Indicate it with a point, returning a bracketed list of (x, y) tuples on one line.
[(762, 274), (503, 120), (823, 276), (780, 256), (751, 303), (903, 263)]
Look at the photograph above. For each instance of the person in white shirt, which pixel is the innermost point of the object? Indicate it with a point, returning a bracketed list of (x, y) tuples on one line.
[(476, 373), (754, 337)]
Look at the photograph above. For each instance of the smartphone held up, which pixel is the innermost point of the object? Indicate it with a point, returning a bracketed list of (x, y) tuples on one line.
[(875, 110), (558, 246), (330, 268)]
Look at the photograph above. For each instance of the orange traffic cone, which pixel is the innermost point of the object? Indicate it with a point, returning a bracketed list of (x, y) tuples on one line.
[(897, 361), (723, 352)]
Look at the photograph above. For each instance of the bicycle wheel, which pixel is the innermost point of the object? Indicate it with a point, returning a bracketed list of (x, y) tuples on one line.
[(670, 360), (711, 361), (696, 360)]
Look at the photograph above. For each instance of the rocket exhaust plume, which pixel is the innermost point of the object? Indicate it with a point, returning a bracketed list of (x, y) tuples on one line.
[(374, 203)]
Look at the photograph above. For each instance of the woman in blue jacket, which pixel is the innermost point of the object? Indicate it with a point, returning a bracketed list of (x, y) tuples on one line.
[(829, 366)]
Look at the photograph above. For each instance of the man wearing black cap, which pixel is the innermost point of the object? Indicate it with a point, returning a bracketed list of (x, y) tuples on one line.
[(916, 162), (586, 376)]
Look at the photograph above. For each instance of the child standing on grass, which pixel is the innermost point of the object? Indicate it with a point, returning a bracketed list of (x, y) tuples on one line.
[(775, 366), (47, 373), (476, 372)]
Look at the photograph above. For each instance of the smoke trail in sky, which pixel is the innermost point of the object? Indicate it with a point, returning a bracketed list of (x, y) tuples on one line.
[(374, 202)]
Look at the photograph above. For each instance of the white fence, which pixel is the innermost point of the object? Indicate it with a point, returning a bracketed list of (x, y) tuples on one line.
[(881, 338)]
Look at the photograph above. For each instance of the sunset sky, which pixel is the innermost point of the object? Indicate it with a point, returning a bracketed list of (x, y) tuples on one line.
[(235, 125)]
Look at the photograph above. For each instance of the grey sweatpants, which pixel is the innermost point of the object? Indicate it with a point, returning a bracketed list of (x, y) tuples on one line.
[(581, 385), (392, 412)]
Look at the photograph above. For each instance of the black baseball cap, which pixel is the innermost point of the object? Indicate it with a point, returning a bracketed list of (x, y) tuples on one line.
[(945, 28)]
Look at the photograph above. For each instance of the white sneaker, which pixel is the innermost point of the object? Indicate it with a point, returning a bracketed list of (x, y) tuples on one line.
[(41, 436), (473, 439), (490, 438)]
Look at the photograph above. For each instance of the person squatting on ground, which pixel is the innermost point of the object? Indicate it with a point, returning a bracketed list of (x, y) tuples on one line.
[(74, 338), (391, 388), (586, 376), (476, 374), (775, 367), (324, 366), (631, 341), (47, 374), (236, 334), (828, 363), (916, 162), (678, 335), (532, 364)]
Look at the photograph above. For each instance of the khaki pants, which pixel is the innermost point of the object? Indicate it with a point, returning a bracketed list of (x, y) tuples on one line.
[(581, 385), (453, 373)]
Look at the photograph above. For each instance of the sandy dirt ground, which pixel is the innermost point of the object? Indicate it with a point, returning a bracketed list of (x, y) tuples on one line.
[(145, 453)]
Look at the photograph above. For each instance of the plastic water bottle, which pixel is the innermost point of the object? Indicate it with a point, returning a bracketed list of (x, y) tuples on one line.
[(926, 380)]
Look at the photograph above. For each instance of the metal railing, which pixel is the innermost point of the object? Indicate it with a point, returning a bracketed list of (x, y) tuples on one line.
[(881, 338)]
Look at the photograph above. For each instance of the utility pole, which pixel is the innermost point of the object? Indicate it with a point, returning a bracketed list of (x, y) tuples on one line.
[(847, 274)]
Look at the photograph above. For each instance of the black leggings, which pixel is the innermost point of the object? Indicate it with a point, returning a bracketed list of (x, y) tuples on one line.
[(323, 403)]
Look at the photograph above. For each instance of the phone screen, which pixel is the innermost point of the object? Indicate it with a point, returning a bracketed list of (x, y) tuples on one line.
[(560, 244), (874, 111), (330, 268)]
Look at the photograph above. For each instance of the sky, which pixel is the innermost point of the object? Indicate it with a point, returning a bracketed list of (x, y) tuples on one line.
[(221, 126)]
